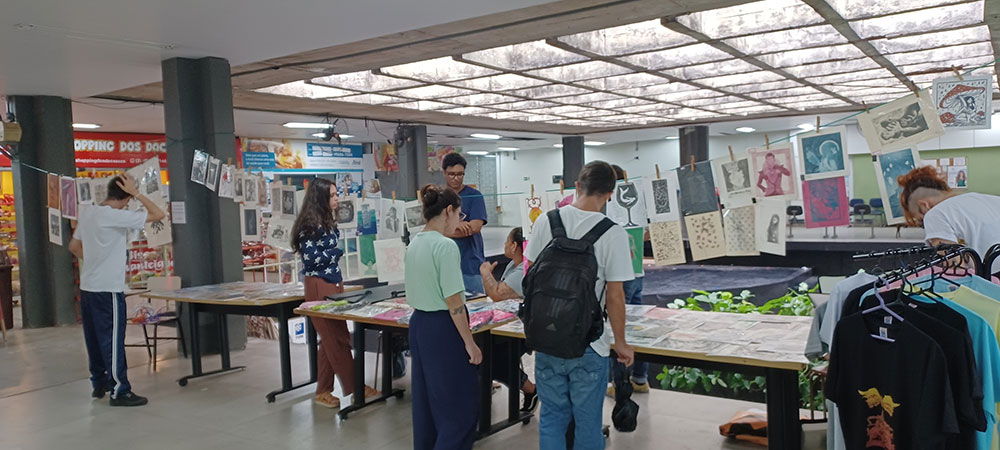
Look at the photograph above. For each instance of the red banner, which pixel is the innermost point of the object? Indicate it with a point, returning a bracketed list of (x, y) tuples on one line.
[(114, 150)]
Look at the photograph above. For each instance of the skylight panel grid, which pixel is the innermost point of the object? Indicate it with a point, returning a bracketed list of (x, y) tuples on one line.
[(677, 57), (728, 67), (619, 103), (482, 99), (751, 18), (851, 76), (524, 105), (423, 105), (549, 91), (641, 108), (747, 110), (587, 98), (659, 89), (432, 92), (438, 70), (923, 21), (708, 101), (627, 39), (680, 97), (794, 39), (932, 40), (627, 81), (776, 85), (855, 9), (559, 110), (371, 99), (580, 71), (812, 55), (508, 115), (526, 56), (589, 113), (832, 67), (468, 110), (943, 54), (798, 99), (962, 64), (497, 83), (744, 78), (364, 81), (305, 90), (805, 90), (811, 104)]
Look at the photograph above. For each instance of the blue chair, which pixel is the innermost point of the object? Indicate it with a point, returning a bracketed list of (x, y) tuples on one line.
[(793, 212), (852, 205), (863, 210), (878, 208)]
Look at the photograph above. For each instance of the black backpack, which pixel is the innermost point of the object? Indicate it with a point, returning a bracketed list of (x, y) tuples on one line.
[(561, 312)]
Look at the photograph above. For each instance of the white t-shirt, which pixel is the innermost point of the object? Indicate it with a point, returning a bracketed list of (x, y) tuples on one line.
[(970, 219), (614, 260), (513, 276), (103, 231)]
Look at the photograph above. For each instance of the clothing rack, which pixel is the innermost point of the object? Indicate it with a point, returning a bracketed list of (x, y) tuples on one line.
[(989, 258), (952, 251), (894, 252)]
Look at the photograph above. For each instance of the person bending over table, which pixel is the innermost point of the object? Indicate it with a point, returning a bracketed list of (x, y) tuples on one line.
[(315, 236), (468, 233), (509, 287), (444, 356), (949, 217)]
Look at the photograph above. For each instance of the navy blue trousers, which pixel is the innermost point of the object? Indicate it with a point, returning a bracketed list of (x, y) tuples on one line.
[(444, 386), (103, 316)]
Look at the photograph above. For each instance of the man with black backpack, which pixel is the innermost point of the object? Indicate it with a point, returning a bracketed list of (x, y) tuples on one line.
[(579, 259)]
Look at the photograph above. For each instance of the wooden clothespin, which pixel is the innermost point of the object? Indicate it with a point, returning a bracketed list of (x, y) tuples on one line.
[(692, 163), (393, 195), (732, 157), (865, 105), (288, 181), (817, 124), (657, 171), (532, 190), (420, 198), (229, 161), (767, 142), (562, 187), (957, 73), (625, 174), (916, 91)]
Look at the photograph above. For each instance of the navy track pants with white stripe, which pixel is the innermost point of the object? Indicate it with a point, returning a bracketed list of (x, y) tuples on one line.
[(103, 316)]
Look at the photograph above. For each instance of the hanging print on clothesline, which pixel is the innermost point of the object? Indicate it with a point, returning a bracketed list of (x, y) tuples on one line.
[(888, 167), (661, 198), (773, 174), (823, 153), (825, 203), (901, 123), (964, 103), (733, 180), (697, 188)]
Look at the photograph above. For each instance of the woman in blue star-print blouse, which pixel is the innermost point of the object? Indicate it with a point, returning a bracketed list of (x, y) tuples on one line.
[(315, 236)]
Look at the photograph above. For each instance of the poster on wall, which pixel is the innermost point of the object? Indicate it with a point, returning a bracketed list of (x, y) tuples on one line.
[(118, 150), (825, 203), (697, 188), (738, 224), (888, 167), (661, 198), (436, 154), (332, 156), (391, 223), (349, 183), (732, 179), (55, 226), (772, 175), (667, 242), (901, 123), (271, 154), (958, 177), (770, 220), (965, 103), (823, 153), (386, 159), (67, 197)]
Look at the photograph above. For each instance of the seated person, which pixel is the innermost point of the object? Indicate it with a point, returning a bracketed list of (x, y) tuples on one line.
[(509, 287)]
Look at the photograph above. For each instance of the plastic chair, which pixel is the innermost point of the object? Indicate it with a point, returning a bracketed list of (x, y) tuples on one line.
[(793, 212), (878, 208), (863, 210)]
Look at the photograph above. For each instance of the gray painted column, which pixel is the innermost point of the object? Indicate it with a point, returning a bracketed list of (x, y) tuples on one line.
[(573, 159), (48, 288), (198, 114), (694, 142)]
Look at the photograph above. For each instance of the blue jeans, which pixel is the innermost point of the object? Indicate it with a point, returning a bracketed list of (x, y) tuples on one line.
[(473, 283), (571, 389), (633, 296)]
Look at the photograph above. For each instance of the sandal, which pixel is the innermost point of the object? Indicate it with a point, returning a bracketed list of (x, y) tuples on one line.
[(327, 400), (370, 392)]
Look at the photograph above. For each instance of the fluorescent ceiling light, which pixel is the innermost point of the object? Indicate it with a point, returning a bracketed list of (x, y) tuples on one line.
[(308, 125), (478, 153), (86, 126), (485, 136), (490, 156), (671, 138), (323, 135), (594, 143), (508, 149), (557, 145), (319, 135), (807, 126), (745, 130)]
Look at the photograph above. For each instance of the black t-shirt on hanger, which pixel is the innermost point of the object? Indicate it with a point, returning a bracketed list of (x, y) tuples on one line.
[(890, 394)]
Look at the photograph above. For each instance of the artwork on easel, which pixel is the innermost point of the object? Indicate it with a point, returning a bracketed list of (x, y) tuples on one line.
[(84, 191), (964, 103), (825, 203), (391, 222), (346, 214), (705, 235), (738, 224), (889, 166), (415, 221), (531, 210), (67, 197), (770, 220), (55, 226), (661, 198), (250, 223), (773, 175), (627, 207), (667, 242), (158, 233), (390, 260), (732, 178), (901, 123), (54, 187), (823, 153), (226, 181), (199, 167), (279, 233), (697, 188)]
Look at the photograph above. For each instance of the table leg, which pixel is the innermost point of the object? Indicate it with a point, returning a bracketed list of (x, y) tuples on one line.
[(784, 431), (387, 361), (485, 383), (195, 344), (359, 364), (359, 371), (311, 342), (512, 366), (224, 341)]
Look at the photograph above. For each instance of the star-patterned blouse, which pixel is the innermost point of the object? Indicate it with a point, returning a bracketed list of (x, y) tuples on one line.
[(320, 254)]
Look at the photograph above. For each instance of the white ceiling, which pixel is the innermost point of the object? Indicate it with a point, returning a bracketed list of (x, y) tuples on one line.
[(82, 48)]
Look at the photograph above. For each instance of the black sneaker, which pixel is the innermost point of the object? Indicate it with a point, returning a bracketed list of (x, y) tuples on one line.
[(530, 402), (98, 393), (128, 399)]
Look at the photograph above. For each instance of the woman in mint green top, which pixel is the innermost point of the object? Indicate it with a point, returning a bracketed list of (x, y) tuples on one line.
[(444, 378)]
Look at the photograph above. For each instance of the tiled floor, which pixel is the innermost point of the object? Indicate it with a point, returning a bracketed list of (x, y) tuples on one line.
[(45, 404)]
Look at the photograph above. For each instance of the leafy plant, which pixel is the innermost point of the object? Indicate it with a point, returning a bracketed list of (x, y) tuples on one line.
[(736, 385)]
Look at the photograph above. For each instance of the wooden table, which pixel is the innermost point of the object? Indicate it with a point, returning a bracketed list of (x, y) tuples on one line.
[(248, 299), (784, 428), (484, 339)]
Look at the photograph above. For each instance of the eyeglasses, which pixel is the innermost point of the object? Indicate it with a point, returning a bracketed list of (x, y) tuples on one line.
[(462, 216), (455, 174)]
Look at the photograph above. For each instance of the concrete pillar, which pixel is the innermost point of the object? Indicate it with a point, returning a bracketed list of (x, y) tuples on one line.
[(48, 287), (573, 159), (694, 142), (198, 115)]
